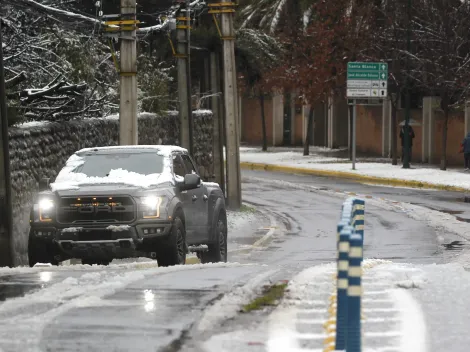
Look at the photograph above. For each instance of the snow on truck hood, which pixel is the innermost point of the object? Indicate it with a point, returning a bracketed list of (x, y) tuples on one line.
[(69, 180)]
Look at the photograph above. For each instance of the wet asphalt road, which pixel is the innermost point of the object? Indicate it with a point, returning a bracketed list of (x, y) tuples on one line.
[(141, 308)]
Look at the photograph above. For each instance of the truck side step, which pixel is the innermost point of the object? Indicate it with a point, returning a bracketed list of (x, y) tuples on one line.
[(200, 248)]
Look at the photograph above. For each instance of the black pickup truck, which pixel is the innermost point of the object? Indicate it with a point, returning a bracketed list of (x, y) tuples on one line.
[(128, 201)]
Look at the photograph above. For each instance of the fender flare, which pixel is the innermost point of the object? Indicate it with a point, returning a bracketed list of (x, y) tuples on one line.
[(175, 206)]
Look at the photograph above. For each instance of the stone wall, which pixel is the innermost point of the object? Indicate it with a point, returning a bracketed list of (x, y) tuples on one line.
[(40, 150)]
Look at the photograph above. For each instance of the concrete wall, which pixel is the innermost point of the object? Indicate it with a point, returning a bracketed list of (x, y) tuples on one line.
[(369, 129), (455, 135), (38, 151), (252, 132)]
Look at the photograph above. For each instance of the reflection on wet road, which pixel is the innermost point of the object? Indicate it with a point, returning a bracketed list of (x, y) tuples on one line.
[(141, 307)]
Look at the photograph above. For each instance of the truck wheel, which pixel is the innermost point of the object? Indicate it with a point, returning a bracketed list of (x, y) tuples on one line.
[(173, 252), (217, 251), (40, 252)]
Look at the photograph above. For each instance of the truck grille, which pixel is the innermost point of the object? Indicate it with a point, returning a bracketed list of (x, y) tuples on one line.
[(88, 210), (102, 235)]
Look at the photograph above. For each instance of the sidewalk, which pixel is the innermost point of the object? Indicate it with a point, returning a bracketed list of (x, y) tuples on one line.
[(335, 163), (392, 318)]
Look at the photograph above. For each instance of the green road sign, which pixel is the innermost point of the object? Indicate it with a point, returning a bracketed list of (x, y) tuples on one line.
[(367, 79)]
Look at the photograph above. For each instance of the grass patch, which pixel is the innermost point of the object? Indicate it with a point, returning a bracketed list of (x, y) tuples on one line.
[(247, 209), (271, 295)]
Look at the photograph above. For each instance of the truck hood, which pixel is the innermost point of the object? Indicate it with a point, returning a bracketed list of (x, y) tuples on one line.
[(102, 189), (130, 184)]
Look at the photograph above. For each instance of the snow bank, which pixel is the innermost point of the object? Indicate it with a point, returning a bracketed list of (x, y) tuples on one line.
[(239, 219), (315, 161), (231, 303), (23, 319)]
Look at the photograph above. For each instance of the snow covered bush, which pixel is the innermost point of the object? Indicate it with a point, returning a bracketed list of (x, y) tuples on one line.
[(53, 72), (153, 79)]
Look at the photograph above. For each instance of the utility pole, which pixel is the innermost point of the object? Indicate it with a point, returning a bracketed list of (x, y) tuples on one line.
[(234, 193), (218, 126), (188, 75), (183, 28), (6, 222), (406, 136), (128, 126)]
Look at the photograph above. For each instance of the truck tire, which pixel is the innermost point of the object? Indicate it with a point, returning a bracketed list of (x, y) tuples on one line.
[(173, 251), (40, 251), (218, 250)]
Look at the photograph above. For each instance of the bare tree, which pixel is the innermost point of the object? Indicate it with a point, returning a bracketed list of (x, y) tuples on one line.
[(441, 56), (389, 45)]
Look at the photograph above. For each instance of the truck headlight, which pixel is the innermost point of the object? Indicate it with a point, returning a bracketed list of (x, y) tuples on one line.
[(151, 207), (46, 209)]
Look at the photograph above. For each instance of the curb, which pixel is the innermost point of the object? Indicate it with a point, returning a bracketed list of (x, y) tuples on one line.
[(351, 176)]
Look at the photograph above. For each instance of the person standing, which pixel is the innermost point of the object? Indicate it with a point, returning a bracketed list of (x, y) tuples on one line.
[(466, 151), (402, 137)]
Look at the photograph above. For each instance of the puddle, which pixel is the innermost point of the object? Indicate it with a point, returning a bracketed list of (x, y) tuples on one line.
[(453, 246), (11, 288), (459, 218)]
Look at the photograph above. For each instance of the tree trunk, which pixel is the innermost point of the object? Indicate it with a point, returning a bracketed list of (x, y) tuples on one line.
[(309, 132), (444, 140), (263, 121), (394, 135)]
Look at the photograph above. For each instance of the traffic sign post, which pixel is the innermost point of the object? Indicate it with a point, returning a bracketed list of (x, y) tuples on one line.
[(365, 81)]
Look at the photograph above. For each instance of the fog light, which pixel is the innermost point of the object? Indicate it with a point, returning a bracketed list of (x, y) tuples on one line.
[(159, 230), (146, 231)]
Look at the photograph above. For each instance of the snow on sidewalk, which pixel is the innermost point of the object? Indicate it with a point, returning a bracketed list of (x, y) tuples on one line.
[(321, 159), (392, 319)]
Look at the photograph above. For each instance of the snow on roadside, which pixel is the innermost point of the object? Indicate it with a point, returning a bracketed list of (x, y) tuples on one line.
[(239, 219), (375, 169), (231, 303), (23, 319)]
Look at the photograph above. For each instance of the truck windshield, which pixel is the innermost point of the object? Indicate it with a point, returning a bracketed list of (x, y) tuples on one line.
[(99, 165)]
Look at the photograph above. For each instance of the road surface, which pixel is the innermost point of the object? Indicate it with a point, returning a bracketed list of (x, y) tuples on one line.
[(137, 307)]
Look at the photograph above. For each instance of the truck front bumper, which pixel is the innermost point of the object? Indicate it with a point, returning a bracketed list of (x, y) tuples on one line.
[(125, 241)]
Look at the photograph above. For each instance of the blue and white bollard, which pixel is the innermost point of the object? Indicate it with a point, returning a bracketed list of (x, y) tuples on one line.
[(353, 342), (342, 289), (342, 223), (359, 217)]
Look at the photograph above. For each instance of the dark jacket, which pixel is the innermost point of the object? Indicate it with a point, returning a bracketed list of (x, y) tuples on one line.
[(402, 135), (466, 144)]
